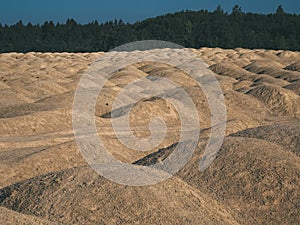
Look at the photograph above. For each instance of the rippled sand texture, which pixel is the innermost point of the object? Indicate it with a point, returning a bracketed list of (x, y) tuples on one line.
[(254, 180)]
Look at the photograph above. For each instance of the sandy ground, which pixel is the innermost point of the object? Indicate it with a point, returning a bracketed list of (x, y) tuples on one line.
[(254, 180)]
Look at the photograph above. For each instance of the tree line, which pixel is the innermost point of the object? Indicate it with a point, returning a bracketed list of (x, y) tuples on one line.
[(195, 29)]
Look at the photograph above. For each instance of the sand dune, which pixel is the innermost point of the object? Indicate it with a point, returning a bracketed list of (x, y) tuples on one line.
[(294, 67), (254, 180), (257, 179), (100, 201), (295, 87), (286, 134), (278, 100)]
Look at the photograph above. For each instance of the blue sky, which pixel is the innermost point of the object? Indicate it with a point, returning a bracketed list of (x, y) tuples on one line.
[(37, 11)]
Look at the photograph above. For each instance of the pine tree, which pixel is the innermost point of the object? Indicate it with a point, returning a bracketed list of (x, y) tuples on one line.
[(280, 10)]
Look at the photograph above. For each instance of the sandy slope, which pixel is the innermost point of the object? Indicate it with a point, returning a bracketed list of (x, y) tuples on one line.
[(99, 201), (10, 217), (254, 180)]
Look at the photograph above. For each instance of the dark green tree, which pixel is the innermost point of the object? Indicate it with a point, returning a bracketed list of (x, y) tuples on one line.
[(280, 10), (189, 28)]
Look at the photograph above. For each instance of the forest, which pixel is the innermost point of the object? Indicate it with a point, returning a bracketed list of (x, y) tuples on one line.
[(193, 29)]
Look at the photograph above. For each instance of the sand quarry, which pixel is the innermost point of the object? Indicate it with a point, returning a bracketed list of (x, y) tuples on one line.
[(254, 180)]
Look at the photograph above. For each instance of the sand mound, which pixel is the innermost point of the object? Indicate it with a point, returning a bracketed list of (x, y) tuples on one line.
[(285, 135), (295, 87), (263, 67), (271, 55), (294, 67), (231, 70), (244, 112), (265, 79), (288, 55), (290, 76), (278, 100), (274, 69), (80, 196), (252, 176), (258, 179)]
